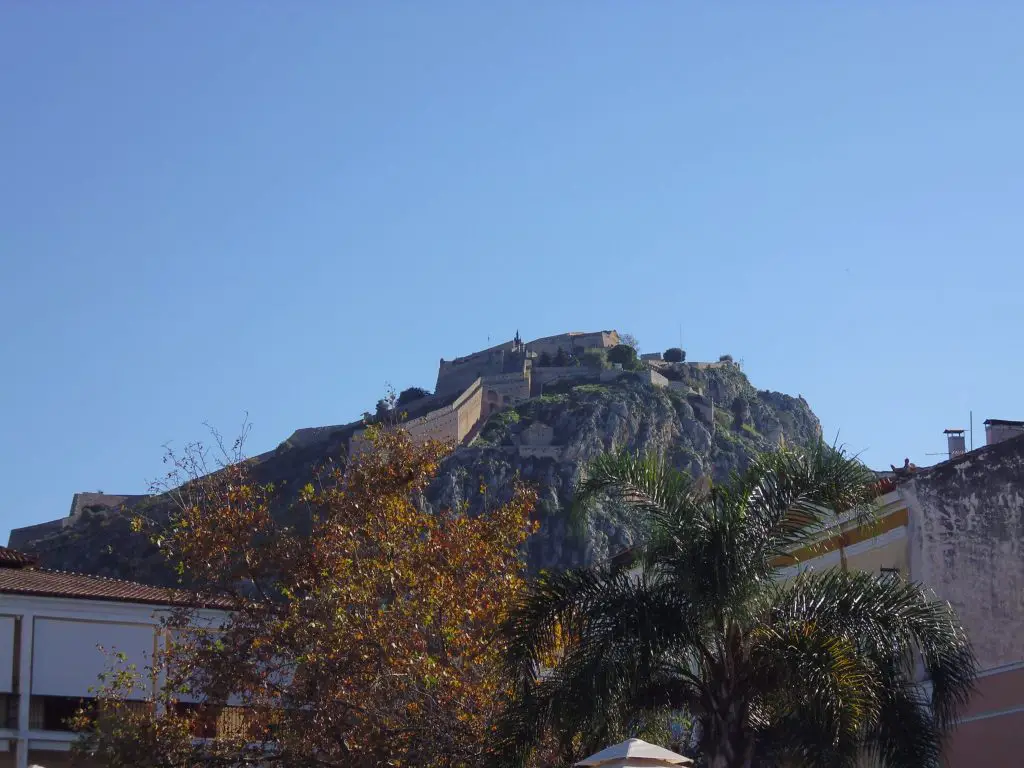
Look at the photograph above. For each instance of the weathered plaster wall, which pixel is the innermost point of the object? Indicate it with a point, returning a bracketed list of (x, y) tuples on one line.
[(997, 433), (966, 536)]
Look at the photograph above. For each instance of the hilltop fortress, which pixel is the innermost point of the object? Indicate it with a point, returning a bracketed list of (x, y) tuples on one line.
[(471, 388), (514, 359), (468, 391)]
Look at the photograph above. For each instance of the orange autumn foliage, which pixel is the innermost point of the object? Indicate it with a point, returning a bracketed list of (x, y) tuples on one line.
[(362, 629)]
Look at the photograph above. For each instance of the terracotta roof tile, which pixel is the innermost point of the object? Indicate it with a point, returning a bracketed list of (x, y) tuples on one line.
[(12, 558), (80, 586)]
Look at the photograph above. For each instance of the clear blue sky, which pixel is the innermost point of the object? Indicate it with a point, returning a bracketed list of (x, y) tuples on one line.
[(208, 209)]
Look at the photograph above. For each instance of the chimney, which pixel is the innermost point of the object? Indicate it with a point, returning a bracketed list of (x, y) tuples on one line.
[(997, 430), (955, 440)]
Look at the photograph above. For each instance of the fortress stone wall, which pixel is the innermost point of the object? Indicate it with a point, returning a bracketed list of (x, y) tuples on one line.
[(545, 376), (549, 374), (706, 366), (456, 375), (573, 342), (80, 503), (492, 380), (504, 391), (514, 357), (451, 423)]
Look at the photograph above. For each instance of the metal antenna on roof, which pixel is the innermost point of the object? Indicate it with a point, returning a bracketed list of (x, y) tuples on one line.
[(972, 430)]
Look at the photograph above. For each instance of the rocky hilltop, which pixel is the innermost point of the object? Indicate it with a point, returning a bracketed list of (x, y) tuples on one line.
[(709, 420), (582, 420)]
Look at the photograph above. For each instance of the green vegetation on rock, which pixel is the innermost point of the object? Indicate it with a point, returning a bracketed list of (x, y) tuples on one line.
[(624, 355)]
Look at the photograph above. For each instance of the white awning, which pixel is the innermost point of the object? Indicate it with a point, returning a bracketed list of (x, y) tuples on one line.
[(635, 753)]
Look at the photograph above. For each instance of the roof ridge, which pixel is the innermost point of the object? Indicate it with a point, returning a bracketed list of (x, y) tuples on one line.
[(97, 577)]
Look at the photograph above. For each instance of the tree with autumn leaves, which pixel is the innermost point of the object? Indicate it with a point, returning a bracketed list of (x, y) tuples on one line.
[(361, 630)]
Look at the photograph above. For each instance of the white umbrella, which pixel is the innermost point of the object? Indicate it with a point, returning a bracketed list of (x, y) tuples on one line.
[(635, 753)]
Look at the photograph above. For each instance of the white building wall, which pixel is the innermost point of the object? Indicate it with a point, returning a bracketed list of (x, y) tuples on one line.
[(57, 656), (69, 655), (7, 626)]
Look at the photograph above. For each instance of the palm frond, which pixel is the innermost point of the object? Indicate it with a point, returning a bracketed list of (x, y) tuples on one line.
[(891, 620), (589, 650), (646, 484), (905, 732), (794, 497), (819, 693)]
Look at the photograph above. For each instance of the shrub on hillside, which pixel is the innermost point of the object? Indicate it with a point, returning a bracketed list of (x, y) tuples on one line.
[(411, 394), (594, 358), (630, 341), (624, 355), (674, 355)]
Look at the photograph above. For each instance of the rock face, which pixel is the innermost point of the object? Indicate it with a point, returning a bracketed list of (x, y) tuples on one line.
[(544, 441), (589, 419)]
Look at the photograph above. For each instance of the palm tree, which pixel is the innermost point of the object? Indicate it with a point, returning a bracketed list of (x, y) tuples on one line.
[(818, 670)]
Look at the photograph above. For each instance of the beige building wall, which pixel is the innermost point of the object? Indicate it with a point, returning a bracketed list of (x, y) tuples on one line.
[(991, 728)]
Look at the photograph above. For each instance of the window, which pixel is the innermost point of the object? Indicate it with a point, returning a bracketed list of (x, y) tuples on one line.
[(213, 722), (8, 710), (205, 725), (51, 713)]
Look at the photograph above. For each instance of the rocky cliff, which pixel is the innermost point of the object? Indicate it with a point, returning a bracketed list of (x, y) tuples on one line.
[(709, 422)]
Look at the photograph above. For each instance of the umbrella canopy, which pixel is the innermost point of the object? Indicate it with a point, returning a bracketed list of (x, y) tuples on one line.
[(635, 753)]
